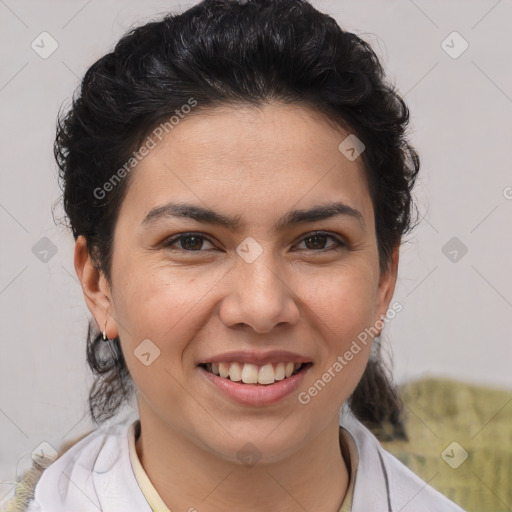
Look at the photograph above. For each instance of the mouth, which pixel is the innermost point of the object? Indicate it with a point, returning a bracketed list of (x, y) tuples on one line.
[(248, 373)]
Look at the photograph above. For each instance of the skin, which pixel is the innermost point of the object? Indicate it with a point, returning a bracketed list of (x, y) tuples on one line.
[(297, 296)]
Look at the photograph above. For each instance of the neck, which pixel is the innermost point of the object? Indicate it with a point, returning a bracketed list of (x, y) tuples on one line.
[(189, 478)]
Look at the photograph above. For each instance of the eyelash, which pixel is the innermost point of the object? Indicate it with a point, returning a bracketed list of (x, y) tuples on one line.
[(339, 244)]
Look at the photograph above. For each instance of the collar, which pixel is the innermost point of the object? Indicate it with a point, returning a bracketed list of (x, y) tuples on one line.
[(347, 445), (371, 491), (96, 474)]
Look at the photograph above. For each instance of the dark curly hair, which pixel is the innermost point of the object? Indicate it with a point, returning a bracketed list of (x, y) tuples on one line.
[(227, 52)]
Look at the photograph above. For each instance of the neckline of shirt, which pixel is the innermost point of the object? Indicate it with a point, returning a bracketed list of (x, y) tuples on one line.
[(347, 446)]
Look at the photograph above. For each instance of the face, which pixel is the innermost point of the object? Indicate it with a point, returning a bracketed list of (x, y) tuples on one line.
[(257, 296)]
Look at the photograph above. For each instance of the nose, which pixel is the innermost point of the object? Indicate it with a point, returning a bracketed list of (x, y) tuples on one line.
[(259, 296)]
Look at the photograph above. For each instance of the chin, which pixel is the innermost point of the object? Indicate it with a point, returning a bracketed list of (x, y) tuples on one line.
[(258, 442)]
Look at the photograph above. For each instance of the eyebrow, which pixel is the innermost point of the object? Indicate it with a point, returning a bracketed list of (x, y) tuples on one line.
[(294, 217)]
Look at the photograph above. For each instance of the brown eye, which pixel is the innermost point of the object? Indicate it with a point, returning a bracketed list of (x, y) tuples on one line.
[(316, 242), (193, 242), (189, 242)]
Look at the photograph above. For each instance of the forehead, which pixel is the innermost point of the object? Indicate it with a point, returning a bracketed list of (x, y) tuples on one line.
[(252, 160)]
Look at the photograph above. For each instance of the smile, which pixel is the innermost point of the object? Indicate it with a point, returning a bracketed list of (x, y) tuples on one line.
[(253, 374), (255, 384)]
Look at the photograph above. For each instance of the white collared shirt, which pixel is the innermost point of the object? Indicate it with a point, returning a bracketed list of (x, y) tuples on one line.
[(98, 474), (347, 445)]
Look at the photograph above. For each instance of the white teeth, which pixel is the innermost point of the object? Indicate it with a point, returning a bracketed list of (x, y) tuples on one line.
[(253, 374), (279, 373), (235, 372), (266, 374), (223, 370), (250, 374)]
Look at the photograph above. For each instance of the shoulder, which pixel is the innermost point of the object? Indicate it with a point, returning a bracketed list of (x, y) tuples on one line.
[(383, 483), (410, 492), (76, 477), (25, 488)]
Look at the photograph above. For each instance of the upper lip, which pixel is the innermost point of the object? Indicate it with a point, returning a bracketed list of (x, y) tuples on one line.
[(258, 358)]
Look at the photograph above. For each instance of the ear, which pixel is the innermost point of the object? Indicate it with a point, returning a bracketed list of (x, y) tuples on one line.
[(95, 288), (386, 286)]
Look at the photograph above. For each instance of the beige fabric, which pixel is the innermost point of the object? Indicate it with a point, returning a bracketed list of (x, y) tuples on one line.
[(153, 498), (349, 452), (24, 491)]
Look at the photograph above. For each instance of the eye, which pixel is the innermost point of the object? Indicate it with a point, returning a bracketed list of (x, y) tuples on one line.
[(190, 242), (193, 242), (316, 241)]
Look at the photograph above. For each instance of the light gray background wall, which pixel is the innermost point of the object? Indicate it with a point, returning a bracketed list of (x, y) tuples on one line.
[(456, 317)]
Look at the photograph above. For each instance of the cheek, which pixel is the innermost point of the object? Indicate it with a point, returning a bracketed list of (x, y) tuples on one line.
[(154, 305), (344, 307), (158, 305), (344, 300), (341, 307)]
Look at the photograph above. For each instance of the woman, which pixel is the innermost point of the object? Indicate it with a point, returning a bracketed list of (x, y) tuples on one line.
[(238, 182)]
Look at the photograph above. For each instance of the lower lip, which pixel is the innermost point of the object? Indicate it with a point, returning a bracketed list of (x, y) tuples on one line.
[(256, 394)]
